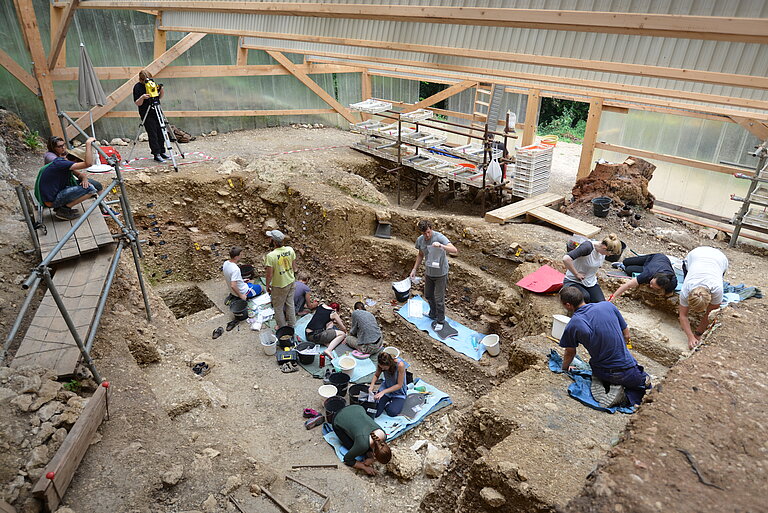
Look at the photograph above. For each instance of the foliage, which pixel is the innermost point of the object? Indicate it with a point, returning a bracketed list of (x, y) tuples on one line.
[(427, 89), (563, 118), (32, 139), (73, 386)]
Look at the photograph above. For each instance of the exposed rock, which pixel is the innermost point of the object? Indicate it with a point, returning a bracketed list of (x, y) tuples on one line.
[(117, 141), (49, 410), (232, 484), (172, 476), (209, 505), (210, 452), (143, 137), (228, 167), (22, 402), (405, 463), (216, 395), (436, 461), (38, 457), (48, 391), (492, 497), (238, 228), (625, 183)]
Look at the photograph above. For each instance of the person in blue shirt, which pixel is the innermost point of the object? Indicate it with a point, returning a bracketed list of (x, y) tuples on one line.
[(601, 329), (654, 270)]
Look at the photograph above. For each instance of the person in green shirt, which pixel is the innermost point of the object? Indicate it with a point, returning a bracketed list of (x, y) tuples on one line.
[(281, 278), (362, 437)]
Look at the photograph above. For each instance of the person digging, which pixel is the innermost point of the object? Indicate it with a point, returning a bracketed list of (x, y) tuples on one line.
[(362, 437)]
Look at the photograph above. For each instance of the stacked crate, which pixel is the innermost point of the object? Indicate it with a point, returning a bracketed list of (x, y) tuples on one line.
[(533, 165)]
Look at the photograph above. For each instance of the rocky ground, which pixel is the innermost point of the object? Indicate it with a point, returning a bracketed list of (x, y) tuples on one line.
[(179, 442)]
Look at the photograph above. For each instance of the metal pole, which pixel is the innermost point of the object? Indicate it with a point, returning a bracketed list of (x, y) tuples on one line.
[(63, 125), (28, 219), (103, 298), (20, 317), (137, 263), (71, 325)]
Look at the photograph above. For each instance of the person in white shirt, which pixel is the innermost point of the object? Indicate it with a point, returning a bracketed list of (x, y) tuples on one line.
[(702, 289)]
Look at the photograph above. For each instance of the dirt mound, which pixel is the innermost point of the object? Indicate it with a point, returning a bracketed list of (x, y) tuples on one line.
[(13, 131), (625, 183)]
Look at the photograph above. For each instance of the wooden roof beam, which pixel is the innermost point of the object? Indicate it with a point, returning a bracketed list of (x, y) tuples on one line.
[(442, 95), (20, 73), (748, 30), (623, 68), (58, 42)]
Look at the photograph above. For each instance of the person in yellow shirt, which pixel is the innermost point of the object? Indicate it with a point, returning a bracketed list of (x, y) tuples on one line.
[(281, 278)]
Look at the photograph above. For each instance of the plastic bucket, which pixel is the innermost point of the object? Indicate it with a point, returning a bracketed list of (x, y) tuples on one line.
[(392, 350), (550, 140), (347, 364), (615, 258), (491, 343), (285, 336), (268, 342), (239, 307), (601, 206), (306, 359), (333, 405), (355, 391), (340, 381), (326, 391), (246, 271), (558, 325)]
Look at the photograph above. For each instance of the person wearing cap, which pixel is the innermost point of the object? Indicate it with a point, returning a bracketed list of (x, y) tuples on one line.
[(63, 183), (281, 279), (434, 248)]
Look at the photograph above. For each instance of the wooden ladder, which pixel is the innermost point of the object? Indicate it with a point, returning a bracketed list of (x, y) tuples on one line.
[(481, 108)]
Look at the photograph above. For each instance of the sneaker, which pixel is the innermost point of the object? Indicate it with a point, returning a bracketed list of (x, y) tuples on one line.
[(66, 213), (314, 422), (159, 158), (106, 213), (618, 265), (231, 324), (310, 412), (165, 156)]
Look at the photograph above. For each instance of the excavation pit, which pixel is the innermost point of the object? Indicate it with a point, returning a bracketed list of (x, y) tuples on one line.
[(184, 300)]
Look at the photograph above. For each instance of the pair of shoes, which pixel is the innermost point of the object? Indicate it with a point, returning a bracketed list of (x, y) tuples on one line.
[(217, 332), (310, 413), (618, 265), (66, 213), (231, 324), (106, 213), (327, 376), (314, 422), (159, 158)]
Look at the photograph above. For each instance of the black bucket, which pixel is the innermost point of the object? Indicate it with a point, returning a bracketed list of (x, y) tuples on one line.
[(354, 398), (340, 381), (615, 258), (285, 336), (239, 307), (601, 206), (246, 271), (333, 405), (306, 359)]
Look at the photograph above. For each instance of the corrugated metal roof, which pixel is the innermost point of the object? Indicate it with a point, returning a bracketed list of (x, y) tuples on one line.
[(719, 56)]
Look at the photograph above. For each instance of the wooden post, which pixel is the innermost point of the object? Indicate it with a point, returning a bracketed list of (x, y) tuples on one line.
[(531, 117), (26, 13), (56, 18), (590, 137), (366, 91), (161, 37), (242, 53)]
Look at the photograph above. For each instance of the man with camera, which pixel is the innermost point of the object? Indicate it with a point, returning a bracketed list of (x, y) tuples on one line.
[(147, 93)]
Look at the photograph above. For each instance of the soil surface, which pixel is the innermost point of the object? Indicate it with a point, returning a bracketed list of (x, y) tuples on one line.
[(179, 442)]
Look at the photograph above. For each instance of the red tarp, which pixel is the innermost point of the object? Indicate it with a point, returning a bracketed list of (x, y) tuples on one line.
[(545, 280)]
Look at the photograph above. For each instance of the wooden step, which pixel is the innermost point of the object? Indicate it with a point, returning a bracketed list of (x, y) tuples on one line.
[(564, 221), (91, 235), (507, 212)]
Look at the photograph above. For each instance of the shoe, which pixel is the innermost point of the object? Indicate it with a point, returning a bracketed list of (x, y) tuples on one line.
[(314, 422), (231, 324), (310, 412), (165, 156), (159, 158), (66, 213), (106, 213), (217, 332), (618, 265)]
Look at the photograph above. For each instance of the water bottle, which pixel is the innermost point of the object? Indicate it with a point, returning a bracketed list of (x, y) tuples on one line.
[(322, 361)]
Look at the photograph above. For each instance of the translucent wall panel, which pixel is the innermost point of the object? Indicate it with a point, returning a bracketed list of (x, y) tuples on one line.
[(396, 89), (694, 138)]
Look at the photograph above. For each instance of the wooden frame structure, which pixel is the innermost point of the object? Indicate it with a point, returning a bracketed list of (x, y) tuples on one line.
[(602, 95)]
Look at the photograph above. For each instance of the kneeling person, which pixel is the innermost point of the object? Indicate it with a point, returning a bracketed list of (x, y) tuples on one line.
[(654, 270), (364, 331), (601, 329), (363, 437)]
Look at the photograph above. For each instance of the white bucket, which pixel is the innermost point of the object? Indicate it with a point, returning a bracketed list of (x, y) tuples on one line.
[(491, 343), (327, 391), (268, 342), (347, 364), (558, 325), (392, 350)]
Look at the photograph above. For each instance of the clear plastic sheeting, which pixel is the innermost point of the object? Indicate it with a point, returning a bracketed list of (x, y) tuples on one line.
[(693, 138)]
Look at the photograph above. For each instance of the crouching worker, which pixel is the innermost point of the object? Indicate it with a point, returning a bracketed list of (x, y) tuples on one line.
[(653, 270), (321, 328), (702, 289), (63, 183), (392, 393), (364, 331), (601, 329), (362, 437)]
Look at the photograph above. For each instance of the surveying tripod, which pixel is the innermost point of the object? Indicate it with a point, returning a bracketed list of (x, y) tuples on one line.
[(154, 105)]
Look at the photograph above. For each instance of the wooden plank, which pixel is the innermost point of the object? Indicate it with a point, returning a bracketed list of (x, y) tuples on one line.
[(366, 90), (699, 164), (57, 40), (66, 460), (160, 41), (727, 228), (242, 53), (304, 79), (223, 70), (507, 212), (564, 221), (6, 508), (430, 185), (218, 113), (531, 117), (20, 73), (26, 13), (56, 229), (126, 89), (56, 11), (755, 127), (718, 28), (590, 137), (442, 95)]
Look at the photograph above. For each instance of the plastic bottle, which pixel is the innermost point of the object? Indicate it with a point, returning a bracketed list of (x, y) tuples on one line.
[(322, 361)]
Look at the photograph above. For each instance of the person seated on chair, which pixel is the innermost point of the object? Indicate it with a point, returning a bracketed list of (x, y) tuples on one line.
[(63, 183), (393, 391), (702, 289), (364, 331), (601, 328), (583, 262), (362, 437), (56, 148), (321, 330), (302, 301), (654, 270)]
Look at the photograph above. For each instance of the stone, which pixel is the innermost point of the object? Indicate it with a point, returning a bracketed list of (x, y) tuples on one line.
[(210, 452), (436, 461), (172, 476), (29, 384), (22, 402), (45, 431), (232, 484), (405, 464), (492, 497), (38, 457), (49, 410), (143, 137), (228, 167), (203, 358), (216, 395), (142, 177), (48, 391), (383, 216), (209, 505), (65, 509), (237, 228)]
